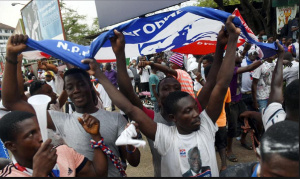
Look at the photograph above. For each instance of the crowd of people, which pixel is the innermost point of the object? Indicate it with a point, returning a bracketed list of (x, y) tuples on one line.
[(201, 103)]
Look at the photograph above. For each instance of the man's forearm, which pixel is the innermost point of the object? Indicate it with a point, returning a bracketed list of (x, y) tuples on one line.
[(9, 83), (277, 82), (226, 69), (210, 82), (125, 82), (99, 160), (164, 69)]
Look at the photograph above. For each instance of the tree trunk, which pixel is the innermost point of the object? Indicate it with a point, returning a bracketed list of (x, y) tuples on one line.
[(220, 4), (254, 19)]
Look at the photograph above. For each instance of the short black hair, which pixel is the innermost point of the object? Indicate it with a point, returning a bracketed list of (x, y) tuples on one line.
[(73, 71), (291, 97), (209, 58), (281, 138), (8, 124), (206, 70), (170, 103), (288, 56), (35, 86)]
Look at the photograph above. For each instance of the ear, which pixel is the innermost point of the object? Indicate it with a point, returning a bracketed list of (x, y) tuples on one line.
[(172, 118), (10, 146)]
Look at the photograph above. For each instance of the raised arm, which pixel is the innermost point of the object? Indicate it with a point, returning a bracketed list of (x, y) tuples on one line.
[(254, 93), (277, 78), (203, 97), (118, 46), (225, 74), (162, 68), (250, 67), (11, 101), (147, 126)]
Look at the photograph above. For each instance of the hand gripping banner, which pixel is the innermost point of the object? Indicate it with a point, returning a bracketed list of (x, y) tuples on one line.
[(189, 30)]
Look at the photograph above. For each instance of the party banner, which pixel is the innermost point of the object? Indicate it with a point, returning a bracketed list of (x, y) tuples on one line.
[(189, 30)]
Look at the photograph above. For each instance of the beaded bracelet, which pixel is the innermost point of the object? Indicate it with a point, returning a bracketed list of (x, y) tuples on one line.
[(129, 150), (95, 144)]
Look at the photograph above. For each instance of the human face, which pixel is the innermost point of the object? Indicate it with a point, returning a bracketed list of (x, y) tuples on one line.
[(165, 87), (142, 58), (187, 118), (173, 66), (205, 63), (48, 78), (79, 90), (195, 161), (283, 41), (289, 41), (28, 139), (47, 90), (279, 166), (270, 40), (253, 56)]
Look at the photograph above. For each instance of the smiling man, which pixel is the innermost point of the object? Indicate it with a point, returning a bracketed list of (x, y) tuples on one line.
[(81, 92)]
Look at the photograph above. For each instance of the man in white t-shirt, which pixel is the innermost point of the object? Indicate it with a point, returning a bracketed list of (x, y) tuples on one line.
[(144, 73), (192, 129), (291, 70), (261, 84)]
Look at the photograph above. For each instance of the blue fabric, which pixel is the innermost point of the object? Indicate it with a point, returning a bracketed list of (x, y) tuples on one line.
[(3, 151), (136, 32), (255, 171)]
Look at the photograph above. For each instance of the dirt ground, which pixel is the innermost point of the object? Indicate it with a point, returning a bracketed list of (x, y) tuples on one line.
[(145, 168)]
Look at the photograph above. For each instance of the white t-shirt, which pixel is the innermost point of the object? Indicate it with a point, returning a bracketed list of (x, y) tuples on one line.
[(246, 78), (104, 96), (57, 85), (130, 74), (145, 74), (56, 107), (291, 73), (264, 74), (272, 114), (174, 148)]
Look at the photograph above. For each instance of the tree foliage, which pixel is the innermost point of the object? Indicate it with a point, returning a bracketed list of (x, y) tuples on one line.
[(75, 27), (217, 3), (263, 18)]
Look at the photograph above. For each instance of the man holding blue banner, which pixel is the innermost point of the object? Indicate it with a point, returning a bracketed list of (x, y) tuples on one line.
[(192, 129)]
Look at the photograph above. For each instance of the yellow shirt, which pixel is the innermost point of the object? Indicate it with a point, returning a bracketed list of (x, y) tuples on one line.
[(221, 122)]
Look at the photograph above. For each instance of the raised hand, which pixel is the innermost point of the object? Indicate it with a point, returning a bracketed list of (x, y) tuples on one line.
[(247, 46), (142, 64), (15, 45), (42, 66), (222, 37), (280, 50), (44, 159), (90, 124), (230, 27), (117, 42), (94, 66)]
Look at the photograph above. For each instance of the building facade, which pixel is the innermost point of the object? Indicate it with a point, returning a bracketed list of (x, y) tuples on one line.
[(5, 32)]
